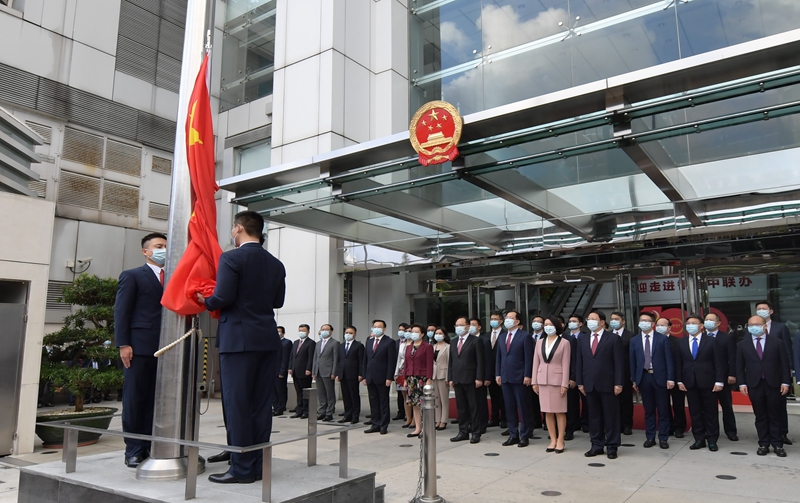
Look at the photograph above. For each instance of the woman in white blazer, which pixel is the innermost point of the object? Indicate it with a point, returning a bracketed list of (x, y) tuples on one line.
[(441, 361), (400, 380)]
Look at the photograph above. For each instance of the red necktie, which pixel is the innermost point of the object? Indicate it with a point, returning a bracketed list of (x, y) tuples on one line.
[(508, 342), (460, 344), (594, 342), (161, 277), (375, 346)]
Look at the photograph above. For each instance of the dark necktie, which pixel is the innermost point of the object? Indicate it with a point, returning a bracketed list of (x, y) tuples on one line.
[(508, 342), (460, 344), (759, 349), (595, 338), (648, 359), (346, 348), (375, 346)]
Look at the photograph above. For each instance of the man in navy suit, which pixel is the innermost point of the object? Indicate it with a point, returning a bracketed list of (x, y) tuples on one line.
[(652, 373), (725, 341), (781, 331), (701, 373), (380, 360), (350, 373), (599, 374), (496, 334), (301, 363), (764, 375), (513, 369), (251, 283), (281, 384), (137, 329)]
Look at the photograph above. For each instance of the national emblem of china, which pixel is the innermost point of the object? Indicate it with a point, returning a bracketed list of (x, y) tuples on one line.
[(435, 132)]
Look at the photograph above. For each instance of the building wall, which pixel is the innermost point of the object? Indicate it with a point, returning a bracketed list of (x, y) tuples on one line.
[(25, 256)]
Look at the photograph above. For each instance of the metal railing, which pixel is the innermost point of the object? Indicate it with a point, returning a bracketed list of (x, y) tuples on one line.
[(69, 455)]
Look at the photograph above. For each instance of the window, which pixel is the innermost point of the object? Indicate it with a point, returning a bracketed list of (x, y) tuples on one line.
[(248, 52), (253, 157)]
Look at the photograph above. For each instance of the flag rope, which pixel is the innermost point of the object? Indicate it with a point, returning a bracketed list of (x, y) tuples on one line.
[(173, 344)]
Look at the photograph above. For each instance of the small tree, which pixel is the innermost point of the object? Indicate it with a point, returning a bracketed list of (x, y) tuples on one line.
[(80, 341)]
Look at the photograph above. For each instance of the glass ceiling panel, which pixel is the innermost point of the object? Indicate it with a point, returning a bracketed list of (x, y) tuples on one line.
[(630, 193), (503, 214), (403, 226)]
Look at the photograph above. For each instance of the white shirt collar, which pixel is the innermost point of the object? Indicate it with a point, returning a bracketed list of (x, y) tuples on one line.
[(156, 269)]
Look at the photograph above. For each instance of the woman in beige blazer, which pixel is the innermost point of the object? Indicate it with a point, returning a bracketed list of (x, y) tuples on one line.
[(551, 360), (441, 361)]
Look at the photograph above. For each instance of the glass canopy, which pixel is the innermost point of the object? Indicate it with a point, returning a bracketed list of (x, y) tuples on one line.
[(636, 163)]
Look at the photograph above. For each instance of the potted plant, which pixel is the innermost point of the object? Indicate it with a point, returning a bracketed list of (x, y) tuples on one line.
[(81, 357)]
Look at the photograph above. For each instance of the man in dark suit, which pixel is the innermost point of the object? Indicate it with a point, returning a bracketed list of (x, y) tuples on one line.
[(599, 376), (137, 329), (677, 424), (251, 284), (728, 345), (350, 373), (617, 324), (465, 375), (781, 331), (763, 374), (652, 372), (577, 410), (301, 362), (281, 383), (482, 393), (513, 369), (701, 369), (326, 362), (497, 333), (380, 360), (537, 332)]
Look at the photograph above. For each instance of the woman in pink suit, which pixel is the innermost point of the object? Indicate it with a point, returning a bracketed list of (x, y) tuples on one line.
[(551, 379)]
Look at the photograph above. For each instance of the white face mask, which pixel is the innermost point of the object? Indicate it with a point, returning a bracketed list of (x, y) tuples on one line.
[(549, 329), (348, 337), (573, 325), (536, 325), (592, 324), (473, 330), (764, 313), (302, 335), (377, 332), (662, 329), (509, 323), (460, 330), (325, 334)]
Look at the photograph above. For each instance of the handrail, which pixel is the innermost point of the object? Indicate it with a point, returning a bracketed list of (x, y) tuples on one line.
[(70, 452)]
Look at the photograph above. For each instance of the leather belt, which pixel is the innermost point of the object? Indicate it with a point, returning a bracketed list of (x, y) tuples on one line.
[(649, 371)]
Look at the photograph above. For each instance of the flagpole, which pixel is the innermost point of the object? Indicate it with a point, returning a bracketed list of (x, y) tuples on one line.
[(175, 399)]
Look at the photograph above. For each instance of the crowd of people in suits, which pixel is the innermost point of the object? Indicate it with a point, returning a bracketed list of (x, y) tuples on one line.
[(563, 376)]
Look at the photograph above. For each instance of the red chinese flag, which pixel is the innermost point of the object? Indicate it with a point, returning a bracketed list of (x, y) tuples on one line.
[(197, 268)]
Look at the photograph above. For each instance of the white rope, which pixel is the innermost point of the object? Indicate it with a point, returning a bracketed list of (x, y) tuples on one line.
[(173, 344)]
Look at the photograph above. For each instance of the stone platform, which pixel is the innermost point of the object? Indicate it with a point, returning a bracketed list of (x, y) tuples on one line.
[(102, 478)]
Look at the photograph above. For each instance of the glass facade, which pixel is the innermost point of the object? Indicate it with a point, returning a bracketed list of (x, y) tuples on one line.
[(252, 157), (480, 54), (248, 52)]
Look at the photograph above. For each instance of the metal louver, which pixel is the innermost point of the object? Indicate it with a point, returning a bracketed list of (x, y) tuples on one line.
[(168, 73), (120, 199), (83, 148), (123, 158), (79, 190), (54, 293), (139, 25), (46, 132), (158, 210), (162, 165), (38, 186)]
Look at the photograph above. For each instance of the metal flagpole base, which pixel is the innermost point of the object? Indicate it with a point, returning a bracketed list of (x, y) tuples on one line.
[(166, 469), (435, 499)]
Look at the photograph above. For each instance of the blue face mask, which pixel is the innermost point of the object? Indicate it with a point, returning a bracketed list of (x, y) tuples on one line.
[(592, 324), (302, 335), (710, 325), (439, 337), (473, 330), (429, 334), (348, 337), (756, 330), (508, 323), (692, 328), (573, 325), (414, 336), (764, 313), (645, 326), (615, 324), (550, 330), (494, 323), (460, 330), (661, 329), (377, 332), (537, 325), (159, 256), (325, 334)]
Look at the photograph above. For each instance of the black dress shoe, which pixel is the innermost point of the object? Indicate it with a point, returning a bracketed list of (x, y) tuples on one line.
[(733, 437), (384, 431), (374, 429), (217, 458), (762, 451), (592, 453), (355, 421), (367, 423), (460, 437), (612, 455), (368, 416), (476, 438), (227, 478), (406, 426), (649, 443), (785, 440), (569, 435), (295, 416), (550, 449), (327, 419), (503, 425), (134, 461), (320, 417), (585, 429), (504, 433), (483, 431), (712, 446), (492, 424), (780, 452), (343, 420), (399, 417), (523, 443), (627, 431), (511, 441), (664, 444), (698, 445), (410, 435), (341, 415)]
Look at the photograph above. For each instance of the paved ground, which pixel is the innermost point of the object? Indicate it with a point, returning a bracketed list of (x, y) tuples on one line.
[(473, 473)]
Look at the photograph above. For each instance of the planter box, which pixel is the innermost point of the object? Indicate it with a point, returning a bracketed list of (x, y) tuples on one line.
[(52, 438)]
